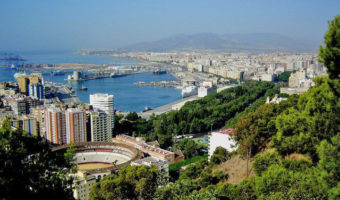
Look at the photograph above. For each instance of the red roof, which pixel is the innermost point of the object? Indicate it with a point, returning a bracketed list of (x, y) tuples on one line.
[(227, 131)]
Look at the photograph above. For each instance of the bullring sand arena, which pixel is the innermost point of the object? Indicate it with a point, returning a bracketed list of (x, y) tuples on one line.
[(94, 157)]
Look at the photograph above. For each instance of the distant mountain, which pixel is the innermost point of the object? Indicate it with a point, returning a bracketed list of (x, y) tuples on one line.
[(230, 42)]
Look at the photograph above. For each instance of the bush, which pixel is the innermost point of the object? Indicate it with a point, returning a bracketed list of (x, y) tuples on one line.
[(220, 155), (262, 162)]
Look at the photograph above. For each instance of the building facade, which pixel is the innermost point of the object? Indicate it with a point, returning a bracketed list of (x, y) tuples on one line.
[(102, 102), (82, 185), (101, 127), (75, 126), (24, 81), (55, 126), (36, 90)]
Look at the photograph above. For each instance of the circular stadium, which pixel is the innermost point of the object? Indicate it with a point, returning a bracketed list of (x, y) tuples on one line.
[(99, 157)]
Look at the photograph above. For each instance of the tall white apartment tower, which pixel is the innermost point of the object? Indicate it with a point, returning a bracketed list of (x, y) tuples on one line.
[(103, 102), (75, 125)]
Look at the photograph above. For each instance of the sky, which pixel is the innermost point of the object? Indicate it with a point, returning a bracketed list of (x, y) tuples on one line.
[(33, 25)]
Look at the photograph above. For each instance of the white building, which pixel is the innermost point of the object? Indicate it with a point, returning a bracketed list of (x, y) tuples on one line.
[(102, 102), (222, 138), (276, 99), (148, 161), (267, 77), (205, 90), (101, 127), (75, 125)]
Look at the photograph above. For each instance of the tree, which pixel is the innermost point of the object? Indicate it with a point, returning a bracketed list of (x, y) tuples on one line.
[(315, 117), (70, 159), (330, 54), (188, 146), (284, 77), (262, 162), (132, 116), (6, 124), (132, 182), (329, 155), (29, 169), (253, 131), (220, 155)]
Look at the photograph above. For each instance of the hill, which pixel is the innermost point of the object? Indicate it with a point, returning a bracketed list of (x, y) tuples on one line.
[(254, 42)]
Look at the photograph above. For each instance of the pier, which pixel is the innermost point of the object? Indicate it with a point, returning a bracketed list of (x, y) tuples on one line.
[(78, 76), (159, 83), (167, 108)]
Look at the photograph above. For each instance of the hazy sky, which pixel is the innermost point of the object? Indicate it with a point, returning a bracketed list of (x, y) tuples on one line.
[(75, 24)]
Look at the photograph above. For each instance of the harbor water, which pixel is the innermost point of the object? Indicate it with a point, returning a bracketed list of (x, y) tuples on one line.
[(127, 96)]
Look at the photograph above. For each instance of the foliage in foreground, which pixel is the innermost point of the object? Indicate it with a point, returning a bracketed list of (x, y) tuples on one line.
[(29, 169), (132, 182)]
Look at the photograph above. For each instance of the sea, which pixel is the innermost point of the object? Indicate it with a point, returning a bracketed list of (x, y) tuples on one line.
[(127, 96)]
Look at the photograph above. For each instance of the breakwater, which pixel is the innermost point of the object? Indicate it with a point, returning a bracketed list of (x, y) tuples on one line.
[(173, 84)]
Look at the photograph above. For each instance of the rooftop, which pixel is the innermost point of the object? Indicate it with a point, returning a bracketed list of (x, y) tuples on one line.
[(227, 131)]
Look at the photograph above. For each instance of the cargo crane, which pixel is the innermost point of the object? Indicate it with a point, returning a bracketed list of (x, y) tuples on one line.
[(12, 60)]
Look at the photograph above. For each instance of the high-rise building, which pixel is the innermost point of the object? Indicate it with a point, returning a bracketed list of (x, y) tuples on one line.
[(75, 125), (38, 114), (102, 102), (23, 84), (101, 127), (24, 81), (36, 90), (55, 126), (19, 106), (105, 103), (26, 123)]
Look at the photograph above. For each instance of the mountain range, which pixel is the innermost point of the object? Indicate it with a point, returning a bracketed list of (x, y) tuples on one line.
[(224, 42)]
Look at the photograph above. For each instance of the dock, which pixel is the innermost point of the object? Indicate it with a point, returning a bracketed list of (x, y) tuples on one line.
[(167, 108), (159, 83), (177, 104)]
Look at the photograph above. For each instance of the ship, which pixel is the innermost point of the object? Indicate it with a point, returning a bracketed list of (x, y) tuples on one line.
[(189, 91), (83, 88), (19, 74), (57, 73), (159, 72), (147, 108)]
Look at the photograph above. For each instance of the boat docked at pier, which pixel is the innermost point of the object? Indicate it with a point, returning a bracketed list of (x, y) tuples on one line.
[(159, 72), (19, 74), (188, 91), (83, 88), (57, 73)]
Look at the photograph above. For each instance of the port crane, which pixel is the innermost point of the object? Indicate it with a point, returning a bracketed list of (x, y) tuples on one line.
[(11, 59)]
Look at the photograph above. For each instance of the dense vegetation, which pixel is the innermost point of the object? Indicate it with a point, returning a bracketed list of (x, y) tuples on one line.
[(29, 170), (210, 112), (284, 77), (189, 147), (132, 182), (294, 145), (207, 113), (260, 101)]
